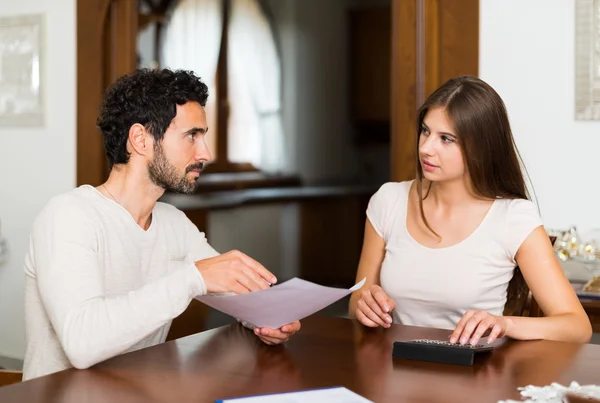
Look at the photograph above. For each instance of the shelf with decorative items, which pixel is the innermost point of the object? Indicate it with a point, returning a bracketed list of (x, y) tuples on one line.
[(584, 251), (579, 257)]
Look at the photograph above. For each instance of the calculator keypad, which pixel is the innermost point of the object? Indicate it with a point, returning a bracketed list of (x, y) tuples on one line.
[(446, 343)]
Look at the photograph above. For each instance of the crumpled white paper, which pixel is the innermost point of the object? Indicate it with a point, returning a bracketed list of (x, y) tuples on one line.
[(555, 393)]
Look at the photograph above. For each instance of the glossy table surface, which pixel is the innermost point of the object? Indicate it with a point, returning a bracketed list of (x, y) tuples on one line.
[(230, 361)]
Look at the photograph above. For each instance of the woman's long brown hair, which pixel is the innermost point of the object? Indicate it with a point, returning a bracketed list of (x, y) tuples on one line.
[(479, 118)]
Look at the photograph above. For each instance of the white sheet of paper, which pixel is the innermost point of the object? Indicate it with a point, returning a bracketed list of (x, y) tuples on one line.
[(331, 395), (280, 304)]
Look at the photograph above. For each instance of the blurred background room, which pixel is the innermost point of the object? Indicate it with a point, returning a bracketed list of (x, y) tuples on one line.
[(312, 107)]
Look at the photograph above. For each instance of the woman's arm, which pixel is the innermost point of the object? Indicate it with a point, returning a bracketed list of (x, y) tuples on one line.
[(564, 317), (369, 266), (564, 320)]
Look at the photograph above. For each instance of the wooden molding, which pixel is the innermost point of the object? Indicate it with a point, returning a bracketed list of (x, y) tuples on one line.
[(10, 377), (404, 89), (91, 22), (123, 38), (106, 49), (432, 41)]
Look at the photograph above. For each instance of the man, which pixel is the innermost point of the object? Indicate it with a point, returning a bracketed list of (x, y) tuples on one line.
[(109, 267)]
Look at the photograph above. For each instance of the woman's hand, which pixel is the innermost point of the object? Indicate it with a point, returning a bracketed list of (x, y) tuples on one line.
[(475, 324), (374, 307)]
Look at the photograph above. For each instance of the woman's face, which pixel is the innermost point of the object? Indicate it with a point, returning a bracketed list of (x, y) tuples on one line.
[(440, 154)]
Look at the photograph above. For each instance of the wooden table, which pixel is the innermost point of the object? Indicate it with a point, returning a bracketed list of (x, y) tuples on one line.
[(231, 361), (592, 308)]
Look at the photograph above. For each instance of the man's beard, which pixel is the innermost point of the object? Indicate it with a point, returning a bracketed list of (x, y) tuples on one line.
[(164, 174)]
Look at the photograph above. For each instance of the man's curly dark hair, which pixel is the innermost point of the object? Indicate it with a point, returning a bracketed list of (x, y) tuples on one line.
[(148, 97)]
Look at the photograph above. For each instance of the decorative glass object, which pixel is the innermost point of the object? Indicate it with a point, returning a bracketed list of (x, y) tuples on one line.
[(570, 245)]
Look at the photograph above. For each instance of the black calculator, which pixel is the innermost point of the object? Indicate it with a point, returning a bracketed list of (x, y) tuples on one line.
[(439, 351)]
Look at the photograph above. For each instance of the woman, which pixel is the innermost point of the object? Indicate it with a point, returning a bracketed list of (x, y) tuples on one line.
[(440, 251)]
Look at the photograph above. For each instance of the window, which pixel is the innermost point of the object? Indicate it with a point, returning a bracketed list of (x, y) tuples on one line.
[(230, 44)]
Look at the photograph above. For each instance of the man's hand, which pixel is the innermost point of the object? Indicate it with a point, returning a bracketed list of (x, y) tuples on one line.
[(277, 336), (234, 272)]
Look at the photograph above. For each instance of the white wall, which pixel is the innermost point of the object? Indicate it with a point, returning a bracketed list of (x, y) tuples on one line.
[(527, 54), (36, 163)]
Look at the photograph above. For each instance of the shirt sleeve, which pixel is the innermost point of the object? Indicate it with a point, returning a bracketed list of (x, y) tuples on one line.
[(522, 218), (380, 208), (90, 325), (199, 247)]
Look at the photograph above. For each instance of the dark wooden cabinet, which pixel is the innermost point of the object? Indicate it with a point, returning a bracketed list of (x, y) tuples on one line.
[(330, 234), (369, 50)]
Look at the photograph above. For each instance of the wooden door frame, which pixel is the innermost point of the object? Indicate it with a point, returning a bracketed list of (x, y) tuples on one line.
[(106, 49), (432, 41)]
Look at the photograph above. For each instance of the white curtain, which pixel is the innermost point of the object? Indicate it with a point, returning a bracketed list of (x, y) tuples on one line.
[(192, 42), (255, 124)]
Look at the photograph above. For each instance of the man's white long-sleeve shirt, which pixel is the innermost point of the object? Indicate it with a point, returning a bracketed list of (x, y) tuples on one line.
[(98, 285)]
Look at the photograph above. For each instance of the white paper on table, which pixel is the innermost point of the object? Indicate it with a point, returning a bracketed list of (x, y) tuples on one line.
[(280, 304), (330, 395)]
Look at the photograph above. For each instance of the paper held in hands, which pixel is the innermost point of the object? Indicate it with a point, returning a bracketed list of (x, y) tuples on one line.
[(278, 305)]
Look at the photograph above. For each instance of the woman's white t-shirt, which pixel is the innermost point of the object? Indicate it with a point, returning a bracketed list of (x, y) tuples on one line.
[(434, 287)]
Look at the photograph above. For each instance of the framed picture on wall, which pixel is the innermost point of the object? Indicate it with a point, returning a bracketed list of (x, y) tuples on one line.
[(21, 67), (587, 59)]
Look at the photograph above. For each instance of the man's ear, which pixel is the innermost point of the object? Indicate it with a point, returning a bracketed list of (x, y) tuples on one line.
[(140, 141)]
